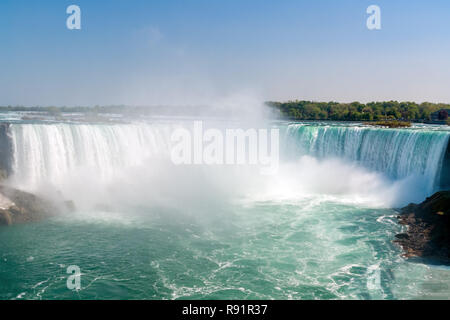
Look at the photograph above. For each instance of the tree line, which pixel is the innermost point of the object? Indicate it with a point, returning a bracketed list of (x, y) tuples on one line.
[(295, 110), (356, 111)]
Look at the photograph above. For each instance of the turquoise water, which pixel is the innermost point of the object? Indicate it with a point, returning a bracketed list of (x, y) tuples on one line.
[(306, 250), (320, 229)]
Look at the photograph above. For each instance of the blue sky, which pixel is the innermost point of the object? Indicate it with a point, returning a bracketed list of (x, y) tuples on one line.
[(143, 52)]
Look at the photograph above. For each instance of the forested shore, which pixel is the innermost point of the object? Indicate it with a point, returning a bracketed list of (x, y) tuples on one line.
[(294, 110), (356, 111)]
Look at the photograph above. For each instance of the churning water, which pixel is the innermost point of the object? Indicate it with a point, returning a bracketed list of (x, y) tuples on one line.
[(321, 228)]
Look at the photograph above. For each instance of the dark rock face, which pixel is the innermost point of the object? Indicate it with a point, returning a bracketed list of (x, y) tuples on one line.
[(5, 218), (5, 151), (26, 208), (445, 170), (428, 234)]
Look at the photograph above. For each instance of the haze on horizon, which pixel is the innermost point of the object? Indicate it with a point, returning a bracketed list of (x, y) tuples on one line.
[(198, 52)]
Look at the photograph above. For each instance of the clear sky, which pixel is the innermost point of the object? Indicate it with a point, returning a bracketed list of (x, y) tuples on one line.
[(144, 52)]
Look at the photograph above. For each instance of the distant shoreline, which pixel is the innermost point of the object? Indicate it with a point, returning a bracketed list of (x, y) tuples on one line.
[(388, 113), (426, 112)]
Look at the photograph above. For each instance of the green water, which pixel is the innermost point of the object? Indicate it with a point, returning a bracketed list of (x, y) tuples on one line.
[(310, 249), (318, 229)]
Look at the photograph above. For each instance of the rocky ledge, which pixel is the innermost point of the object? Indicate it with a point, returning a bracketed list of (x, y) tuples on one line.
[(19, 207), (428, 234)]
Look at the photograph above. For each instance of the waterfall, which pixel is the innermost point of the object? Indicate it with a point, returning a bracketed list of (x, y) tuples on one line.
[(54, 153), (398, 153), (43, 152)]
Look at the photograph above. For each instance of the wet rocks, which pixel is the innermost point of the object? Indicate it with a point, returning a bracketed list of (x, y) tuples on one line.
[(428, 234), (5, 218), (19, 207)]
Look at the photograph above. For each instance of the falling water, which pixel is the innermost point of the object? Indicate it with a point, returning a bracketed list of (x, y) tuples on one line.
[(298, 235), (397, 153)]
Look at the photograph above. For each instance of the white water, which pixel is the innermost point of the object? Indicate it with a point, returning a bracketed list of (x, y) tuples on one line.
[(48, 153), (110, 162), (413, 154), (310, 232)]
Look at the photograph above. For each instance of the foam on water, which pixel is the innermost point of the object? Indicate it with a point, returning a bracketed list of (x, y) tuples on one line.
[(319, 229), (389, 167)]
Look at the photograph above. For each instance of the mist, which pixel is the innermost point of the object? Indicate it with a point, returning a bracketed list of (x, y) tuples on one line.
[(113, 167)]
